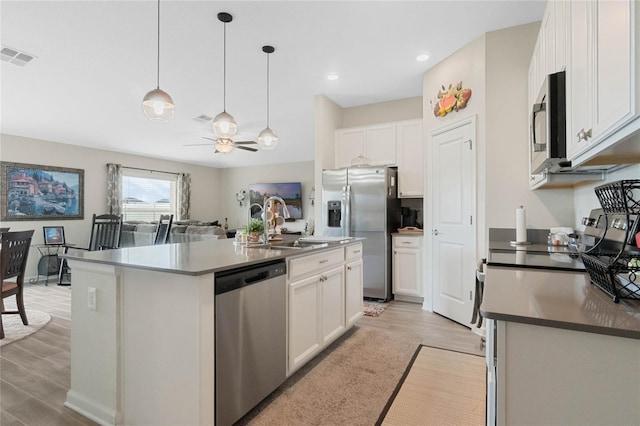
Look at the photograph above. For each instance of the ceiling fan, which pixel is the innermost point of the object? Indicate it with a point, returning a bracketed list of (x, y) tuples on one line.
[(225, 145)]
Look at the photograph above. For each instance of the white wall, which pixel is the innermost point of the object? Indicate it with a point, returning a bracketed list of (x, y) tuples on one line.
[(236, 179), (508, 54), (328, 116), (382, 112), (205, 195)]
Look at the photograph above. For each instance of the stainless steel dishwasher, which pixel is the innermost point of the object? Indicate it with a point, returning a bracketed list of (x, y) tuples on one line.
[(250, 340)]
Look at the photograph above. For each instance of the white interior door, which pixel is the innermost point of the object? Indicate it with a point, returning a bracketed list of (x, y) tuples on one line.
[(453, 233)]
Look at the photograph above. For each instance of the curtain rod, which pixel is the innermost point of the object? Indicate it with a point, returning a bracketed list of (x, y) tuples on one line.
[(149, 170)]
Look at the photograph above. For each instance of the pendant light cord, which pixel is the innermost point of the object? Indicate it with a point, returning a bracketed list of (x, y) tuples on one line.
[(267, 89), (158, 64), (224, 69)]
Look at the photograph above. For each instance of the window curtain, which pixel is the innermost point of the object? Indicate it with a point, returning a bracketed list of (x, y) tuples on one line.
[(114, 188), (184, 196)]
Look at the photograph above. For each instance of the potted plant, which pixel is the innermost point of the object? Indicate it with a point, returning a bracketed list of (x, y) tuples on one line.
[(255, 228)]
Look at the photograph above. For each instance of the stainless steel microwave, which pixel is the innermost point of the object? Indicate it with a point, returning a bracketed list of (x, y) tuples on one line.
[(548, 125)]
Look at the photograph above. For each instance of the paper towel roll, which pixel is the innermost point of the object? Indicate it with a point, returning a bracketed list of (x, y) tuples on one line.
[(521, 225)]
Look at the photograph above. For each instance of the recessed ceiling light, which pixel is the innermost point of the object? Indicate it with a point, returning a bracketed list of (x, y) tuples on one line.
[(332, 77), (422, 57)]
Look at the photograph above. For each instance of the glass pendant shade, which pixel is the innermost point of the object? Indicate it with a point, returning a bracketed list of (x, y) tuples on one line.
[(158, 105), (224, 125), (267, 139), (224, 145)]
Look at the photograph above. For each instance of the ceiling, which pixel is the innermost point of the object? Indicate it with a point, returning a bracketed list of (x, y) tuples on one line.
[(95, 60)]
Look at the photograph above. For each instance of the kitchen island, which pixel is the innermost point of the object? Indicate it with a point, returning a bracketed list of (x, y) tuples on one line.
[(143, 323), (559, 351)]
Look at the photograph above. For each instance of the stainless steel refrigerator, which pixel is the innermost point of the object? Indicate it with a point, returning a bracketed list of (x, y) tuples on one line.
[(362, 202)]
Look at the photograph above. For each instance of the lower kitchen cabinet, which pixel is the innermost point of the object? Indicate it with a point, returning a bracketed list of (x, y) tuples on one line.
[(407, 265), (304, 320), (353, 291), (333, 312), (324, 299)]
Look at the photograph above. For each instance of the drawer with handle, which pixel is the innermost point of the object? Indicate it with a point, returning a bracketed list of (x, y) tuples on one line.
[(407, 242), (307, 265), (353, 252)]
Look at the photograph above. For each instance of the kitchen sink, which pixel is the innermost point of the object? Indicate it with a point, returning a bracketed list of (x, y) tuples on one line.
[(287, 245)]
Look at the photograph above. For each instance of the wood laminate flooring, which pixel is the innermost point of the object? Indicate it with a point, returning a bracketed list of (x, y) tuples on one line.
[(35, 371)]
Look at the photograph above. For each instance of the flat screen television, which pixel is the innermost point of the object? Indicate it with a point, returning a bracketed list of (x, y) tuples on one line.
[(290, 192)]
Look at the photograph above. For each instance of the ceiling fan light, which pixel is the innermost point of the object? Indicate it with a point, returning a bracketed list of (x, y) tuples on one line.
[(267, 139), (158, 105), (224, 125), (224, 145)]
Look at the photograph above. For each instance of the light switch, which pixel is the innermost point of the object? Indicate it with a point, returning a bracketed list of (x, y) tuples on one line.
[(92, 298)]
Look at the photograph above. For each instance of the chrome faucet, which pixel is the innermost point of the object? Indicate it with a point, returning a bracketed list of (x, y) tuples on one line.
[(285, 213)]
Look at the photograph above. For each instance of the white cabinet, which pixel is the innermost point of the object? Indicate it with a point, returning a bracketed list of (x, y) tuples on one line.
[(304, 320), (407, 265), (325, 298), (349, 144), (377, 143), (602, 89), (333, 306), (410, 159)]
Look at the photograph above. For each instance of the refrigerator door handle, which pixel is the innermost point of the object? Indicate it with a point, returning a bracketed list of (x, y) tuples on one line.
[(346, 226)]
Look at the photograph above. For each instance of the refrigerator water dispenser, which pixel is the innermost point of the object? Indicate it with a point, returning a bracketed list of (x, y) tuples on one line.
[(334, 214)]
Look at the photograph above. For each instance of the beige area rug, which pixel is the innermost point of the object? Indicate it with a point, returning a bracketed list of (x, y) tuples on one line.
[(440, 387), (348, 384), (373, 309), (15, 330)]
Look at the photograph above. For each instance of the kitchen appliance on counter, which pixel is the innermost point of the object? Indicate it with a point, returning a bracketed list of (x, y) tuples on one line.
[(362, 202), (613, 263), (409, 217)]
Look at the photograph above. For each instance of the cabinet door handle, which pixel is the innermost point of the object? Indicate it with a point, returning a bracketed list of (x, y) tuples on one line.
[(323, 261), (588, 134), (356, 251), (406, 242), (395, 252), (348, 268)]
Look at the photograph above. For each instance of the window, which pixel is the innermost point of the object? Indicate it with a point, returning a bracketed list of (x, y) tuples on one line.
[(148, 194)]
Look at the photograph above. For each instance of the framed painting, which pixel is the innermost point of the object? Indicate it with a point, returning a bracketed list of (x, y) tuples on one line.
[(35, 192)]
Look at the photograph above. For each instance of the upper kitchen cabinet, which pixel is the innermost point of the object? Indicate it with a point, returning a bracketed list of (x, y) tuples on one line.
[(410, 159), (602, 82), (377, 143)]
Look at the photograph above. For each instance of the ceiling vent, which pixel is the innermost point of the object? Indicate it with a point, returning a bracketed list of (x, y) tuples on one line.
[(14, 56), (203, 118)]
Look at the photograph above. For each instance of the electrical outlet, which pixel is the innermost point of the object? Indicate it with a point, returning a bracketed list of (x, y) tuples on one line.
[(92, 298)]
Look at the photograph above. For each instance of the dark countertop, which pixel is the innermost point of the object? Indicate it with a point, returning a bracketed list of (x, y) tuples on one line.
[(557, 299)]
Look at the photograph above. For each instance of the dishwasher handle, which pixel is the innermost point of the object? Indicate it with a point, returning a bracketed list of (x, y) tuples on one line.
[(234, 279)]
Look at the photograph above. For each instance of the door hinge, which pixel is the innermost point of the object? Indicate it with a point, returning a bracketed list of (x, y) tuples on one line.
[(471, 295), (470, 220), (470, 144)]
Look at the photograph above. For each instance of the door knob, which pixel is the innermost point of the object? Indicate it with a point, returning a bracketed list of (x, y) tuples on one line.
[(435, 232)]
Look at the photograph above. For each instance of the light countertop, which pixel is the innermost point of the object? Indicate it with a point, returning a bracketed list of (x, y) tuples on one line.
[(196, 258), (557, 299)]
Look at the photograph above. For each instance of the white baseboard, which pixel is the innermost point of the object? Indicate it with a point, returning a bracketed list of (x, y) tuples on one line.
[(92, 410)]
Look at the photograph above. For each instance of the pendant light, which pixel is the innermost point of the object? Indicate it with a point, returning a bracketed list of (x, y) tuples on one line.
[(224, 125), (268, 139), (157, 104)]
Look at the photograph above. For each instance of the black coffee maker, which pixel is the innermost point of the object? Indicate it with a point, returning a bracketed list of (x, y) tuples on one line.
[(408, 217)]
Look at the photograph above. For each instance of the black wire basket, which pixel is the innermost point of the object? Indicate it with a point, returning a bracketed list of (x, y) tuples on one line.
[(616, 271)]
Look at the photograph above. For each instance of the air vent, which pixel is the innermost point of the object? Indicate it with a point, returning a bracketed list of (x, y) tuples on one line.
[(14, 56), (203, 118)]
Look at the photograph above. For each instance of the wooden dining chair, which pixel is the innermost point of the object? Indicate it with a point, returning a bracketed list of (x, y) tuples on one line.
[(163, 229), (13, 262), (106, 230)]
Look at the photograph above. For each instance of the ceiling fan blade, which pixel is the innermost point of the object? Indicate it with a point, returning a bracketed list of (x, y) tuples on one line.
[(246, 148), (211, 139), (244, 142), (199, 144)]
